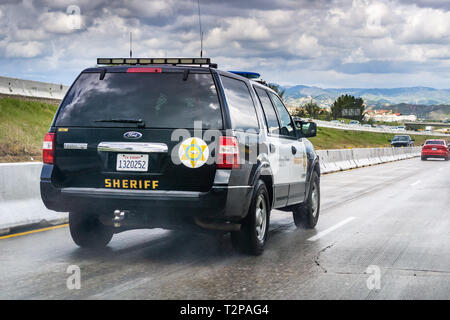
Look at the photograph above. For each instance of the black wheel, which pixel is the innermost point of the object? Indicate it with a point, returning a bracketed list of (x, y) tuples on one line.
[(87, 231), (423, 158), (306, 215), (254, 228)]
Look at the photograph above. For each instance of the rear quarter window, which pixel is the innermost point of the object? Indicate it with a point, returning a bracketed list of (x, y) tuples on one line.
[(240, 104)]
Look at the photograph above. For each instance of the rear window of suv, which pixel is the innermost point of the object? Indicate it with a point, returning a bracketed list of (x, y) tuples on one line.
[(161, 100)]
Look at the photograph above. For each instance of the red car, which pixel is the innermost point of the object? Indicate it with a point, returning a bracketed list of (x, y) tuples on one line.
[(436, 148)]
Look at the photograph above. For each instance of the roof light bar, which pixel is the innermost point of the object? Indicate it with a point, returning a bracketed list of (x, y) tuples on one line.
[(147, 61)]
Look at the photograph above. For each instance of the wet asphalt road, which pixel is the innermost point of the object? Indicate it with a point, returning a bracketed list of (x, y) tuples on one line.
[(392, 217)]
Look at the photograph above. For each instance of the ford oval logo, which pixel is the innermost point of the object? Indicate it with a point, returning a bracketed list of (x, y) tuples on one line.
[(132, 135)]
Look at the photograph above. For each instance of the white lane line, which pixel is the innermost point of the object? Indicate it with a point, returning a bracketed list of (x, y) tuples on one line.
[(417, 182), (330, 229)]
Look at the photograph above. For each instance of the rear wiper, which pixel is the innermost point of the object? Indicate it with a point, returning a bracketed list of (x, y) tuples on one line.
[(139, 122)]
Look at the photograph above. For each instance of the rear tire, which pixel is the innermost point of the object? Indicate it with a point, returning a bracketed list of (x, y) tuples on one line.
[(88, 232), (423, 158), (255, 227), (306, 215)]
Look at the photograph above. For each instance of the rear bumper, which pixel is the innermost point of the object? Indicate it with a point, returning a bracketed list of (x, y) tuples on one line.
[(399, 145), (222, 202), (435, 154)]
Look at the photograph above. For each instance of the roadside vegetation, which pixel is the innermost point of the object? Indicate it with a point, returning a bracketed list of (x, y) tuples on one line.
[(23, 125), (328, 138)]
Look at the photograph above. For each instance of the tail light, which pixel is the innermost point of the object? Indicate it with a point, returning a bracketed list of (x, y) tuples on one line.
[(438, 147), (48, 148), (228, 153)]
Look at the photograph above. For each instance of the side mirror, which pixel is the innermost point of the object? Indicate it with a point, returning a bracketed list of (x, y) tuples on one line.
[(308, 129), (413, 140)]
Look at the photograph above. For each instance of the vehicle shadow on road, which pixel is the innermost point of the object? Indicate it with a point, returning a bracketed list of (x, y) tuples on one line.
[(172, 247)]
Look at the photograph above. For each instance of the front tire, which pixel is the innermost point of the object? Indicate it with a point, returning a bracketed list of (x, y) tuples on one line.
[(88, 232), (306, 215), (255, 227)]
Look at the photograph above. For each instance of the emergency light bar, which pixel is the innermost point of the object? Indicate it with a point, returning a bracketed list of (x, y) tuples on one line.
[(149, 61), (247, 74)]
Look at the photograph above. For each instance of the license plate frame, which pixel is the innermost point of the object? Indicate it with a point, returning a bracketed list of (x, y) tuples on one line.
[(433, 149), (132, 162)]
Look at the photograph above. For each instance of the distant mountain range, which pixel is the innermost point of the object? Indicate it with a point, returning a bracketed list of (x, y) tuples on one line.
[(299, 94)]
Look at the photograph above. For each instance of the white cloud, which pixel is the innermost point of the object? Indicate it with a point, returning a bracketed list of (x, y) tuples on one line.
[(59, 22), (305, 46), (23, 49), (237, 29), (426, 25), (299, 41)]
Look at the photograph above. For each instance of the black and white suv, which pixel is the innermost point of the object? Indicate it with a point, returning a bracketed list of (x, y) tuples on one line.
[(167, 144)]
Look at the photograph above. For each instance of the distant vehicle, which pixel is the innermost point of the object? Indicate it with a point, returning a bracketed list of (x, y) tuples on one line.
[(335, 122), (366, 125), (428, 128), (402, 141), (354, 123), (401, 128), (436, 148)]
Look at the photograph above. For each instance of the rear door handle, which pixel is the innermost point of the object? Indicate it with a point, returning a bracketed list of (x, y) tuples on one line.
[(294, 150), (271, 148)]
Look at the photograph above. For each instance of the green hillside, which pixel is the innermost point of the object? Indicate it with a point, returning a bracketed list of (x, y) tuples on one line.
[(23, 125)]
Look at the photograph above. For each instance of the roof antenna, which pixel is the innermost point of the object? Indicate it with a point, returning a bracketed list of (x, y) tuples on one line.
[(201, 31), (131, 43)]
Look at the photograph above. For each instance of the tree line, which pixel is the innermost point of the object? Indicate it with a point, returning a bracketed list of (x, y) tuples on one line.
[(345, 106)]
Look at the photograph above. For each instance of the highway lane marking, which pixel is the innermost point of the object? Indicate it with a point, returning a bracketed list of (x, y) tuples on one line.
[(330, 229), (33, 231), (417, 182)]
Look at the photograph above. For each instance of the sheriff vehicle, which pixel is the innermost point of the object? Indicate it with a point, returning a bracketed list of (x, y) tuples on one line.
[(175, 144)]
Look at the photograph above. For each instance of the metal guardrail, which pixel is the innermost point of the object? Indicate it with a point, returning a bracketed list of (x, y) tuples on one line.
[(32, 89)]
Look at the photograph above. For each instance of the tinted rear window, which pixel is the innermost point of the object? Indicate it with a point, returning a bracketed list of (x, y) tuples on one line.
[(162, 100), (401, 138), (435, 142)]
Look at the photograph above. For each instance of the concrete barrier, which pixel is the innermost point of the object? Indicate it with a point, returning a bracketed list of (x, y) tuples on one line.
[(29, 88), (338, 160), (21, 204), (20, 200)]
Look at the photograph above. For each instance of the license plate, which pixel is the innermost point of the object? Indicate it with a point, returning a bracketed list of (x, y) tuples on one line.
[(434, 149), (132, 162)]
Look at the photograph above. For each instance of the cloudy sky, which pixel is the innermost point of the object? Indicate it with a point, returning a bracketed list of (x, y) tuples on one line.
[(327, 43)]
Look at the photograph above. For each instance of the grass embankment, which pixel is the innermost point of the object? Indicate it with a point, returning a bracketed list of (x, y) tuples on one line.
[(23, 125), (328, 138)]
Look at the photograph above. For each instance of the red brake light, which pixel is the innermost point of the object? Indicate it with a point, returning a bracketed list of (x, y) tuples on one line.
[(228, 153), (144, 70), (48, 148)]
